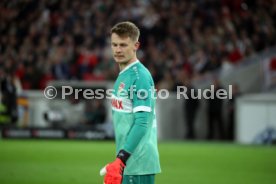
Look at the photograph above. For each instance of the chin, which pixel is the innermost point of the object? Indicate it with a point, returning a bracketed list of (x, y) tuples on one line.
[(120, 61)]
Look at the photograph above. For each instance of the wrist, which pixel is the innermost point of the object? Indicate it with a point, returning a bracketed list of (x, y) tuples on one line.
[(123, 156)]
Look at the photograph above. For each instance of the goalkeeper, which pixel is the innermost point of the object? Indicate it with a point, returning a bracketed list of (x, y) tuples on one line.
[(133, 113)]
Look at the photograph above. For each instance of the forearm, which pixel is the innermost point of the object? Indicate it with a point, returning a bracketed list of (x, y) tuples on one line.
[(137, 132)]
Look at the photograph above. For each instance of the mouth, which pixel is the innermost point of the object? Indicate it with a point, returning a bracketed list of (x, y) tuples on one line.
[(119, 57)]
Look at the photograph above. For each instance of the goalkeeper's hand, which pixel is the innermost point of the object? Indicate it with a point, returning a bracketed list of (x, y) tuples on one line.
[(114, 170)]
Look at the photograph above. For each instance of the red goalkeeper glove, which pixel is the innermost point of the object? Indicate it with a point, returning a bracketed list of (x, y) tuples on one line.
[(114, 171)]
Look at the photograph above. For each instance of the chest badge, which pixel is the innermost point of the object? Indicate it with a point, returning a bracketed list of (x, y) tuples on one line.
[(122, 92), (121, 87)]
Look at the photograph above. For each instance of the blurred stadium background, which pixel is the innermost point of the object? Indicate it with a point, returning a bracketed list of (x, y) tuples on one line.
[(183, 43)]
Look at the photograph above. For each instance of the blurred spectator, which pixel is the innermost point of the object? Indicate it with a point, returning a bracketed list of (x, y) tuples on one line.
[(4, 117), (190, 107), (8, 86), (214, 113), (231, 112)]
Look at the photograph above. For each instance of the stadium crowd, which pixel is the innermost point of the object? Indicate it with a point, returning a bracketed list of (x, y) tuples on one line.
[(69, 40)]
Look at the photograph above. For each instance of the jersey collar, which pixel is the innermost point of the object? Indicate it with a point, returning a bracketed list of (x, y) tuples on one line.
[(128, 66)]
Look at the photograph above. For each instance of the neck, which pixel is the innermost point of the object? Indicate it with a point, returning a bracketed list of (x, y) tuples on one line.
[(122, 66)]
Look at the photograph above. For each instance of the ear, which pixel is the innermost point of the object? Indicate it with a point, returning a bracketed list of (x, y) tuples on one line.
[(136, 46)]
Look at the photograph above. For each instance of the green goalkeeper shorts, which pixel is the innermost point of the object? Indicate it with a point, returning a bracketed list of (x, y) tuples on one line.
[(138, 179)]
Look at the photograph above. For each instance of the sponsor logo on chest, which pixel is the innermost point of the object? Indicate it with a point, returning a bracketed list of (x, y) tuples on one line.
[(121, 104), (117, 104)]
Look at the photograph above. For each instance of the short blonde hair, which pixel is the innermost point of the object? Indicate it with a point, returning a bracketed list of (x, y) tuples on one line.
[(126, 29)]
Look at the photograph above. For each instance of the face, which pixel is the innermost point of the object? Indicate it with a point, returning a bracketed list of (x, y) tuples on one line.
[(123, 48)]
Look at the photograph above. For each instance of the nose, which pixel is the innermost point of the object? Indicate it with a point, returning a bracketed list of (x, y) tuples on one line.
[(118, 50)]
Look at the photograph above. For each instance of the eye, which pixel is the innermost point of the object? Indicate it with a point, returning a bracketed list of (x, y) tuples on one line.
[(123, 45)]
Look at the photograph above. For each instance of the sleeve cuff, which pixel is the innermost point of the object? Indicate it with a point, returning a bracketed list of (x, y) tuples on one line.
[(142, 108)]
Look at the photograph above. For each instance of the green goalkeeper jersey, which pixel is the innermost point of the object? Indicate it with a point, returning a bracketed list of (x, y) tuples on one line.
[(134, 93)]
